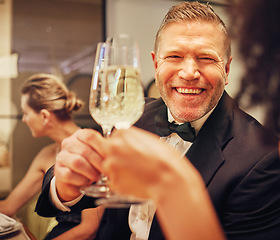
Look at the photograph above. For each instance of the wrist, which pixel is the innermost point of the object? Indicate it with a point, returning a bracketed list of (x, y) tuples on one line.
[(66, 193)]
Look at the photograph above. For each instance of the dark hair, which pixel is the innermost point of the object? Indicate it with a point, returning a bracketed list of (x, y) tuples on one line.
[(48, 92), (194, 11), (257, 29)]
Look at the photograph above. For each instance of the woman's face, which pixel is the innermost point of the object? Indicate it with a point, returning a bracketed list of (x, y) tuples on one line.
[(33, 120)]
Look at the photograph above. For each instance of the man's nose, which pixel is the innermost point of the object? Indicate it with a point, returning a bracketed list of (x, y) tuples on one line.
[(189, 69)]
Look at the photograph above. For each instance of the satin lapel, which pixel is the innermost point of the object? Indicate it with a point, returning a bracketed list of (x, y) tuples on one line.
[(206, 152), (206, 155), (152, 108)]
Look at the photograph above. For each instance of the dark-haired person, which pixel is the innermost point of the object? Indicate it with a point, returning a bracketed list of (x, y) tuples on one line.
[(260, 51)]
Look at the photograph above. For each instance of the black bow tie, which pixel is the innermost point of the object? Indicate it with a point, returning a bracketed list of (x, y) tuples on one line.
[(165, 128)]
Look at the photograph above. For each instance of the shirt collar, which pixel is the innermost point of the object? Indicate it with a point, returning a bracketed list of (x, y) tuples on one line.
[(197, 124)]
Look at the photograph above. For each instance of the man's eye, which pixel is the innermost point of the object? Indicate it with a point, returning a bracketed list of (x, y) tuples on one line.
[(173, 57), (207, 59)]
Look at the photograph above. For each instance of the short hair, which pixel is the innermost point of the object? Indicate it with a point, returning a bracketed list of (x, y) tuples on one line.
[(194, 11), (48, 92)]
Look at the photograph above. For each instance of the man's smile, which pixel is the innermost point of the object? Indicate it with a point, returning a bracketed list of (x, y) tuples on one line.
[(189, 90)]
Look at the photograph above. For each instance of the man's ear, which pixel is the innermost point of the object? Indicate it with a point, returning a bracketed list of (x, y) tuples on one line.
[(155, 61), (154, 58), (46, 116), (227, 68)]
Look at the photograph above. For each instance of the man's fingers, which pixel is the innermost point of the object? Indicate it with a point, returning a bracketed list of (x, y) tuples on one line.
[(71, 165)]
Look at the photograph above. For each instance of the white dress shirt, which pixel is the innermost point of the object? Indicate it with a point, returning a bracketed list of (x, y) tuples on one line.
[(140, 220)]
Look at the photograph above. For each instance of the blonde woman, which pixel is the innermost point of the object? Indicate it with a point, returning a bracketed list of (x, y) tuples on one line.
[(47, 107)]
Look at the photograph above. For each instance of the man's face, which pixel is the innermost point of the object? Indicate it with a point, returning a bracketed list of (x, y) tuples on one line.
[(191, 68)]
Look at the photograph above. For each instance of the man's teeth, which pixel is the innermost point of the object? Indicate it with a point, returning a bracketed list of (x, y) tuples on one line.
[(189, 90)]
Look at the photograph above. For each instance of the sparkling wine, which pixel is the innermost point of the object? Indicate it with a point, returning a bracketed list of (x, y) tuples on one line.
[(118, 100)]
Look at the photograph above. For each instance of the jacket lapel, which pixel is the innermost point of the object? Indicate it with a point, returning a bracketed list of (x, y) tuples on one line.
[(206, 152), (152, 108), (206, 155)]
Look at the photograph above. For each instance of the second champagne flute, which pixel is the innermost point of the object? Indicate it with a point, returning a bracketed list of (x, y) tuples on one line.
[(96, 108)]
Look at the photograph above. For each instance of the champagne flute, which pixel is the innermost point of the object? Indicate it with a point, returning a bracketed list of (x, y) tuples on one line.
[(116, 99), (100, 188)]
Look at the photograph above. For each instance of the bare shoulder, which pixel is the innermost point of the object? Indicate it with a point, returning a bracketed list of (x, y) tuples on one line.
[(50, 149), (46, 157)]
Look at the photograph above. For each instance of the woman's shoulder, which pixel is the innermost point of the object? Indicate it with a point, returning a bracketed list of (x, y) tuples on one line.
[(46, 156), (50, 149)]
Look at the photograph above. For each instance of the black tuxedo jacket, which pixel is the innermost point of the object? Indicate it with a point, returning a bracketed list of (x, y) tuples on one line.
[(239, 162)]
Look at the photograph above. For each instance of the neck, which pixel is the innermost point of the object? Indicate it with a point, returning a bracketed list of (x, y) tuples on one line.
[(63, 130), (197, 124)]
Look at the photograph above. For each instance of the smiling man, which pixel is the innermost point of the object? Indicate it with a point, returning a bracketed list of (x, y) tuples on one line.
[(236, 157), (192, 61)]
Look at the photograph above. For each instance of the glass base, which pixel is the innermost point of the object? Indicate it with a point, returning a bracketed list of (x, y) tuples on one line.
[(98, 190), (109, 199), (118, 201)]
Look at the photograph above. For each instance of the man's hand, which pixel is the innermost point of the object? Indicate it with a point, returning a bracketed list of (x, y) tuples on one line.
[(78, 164)]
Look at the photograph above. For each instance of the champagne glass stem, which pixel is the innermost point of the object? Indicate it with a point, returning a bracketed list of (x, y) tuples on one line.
[(107, 130), (100, 188)]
